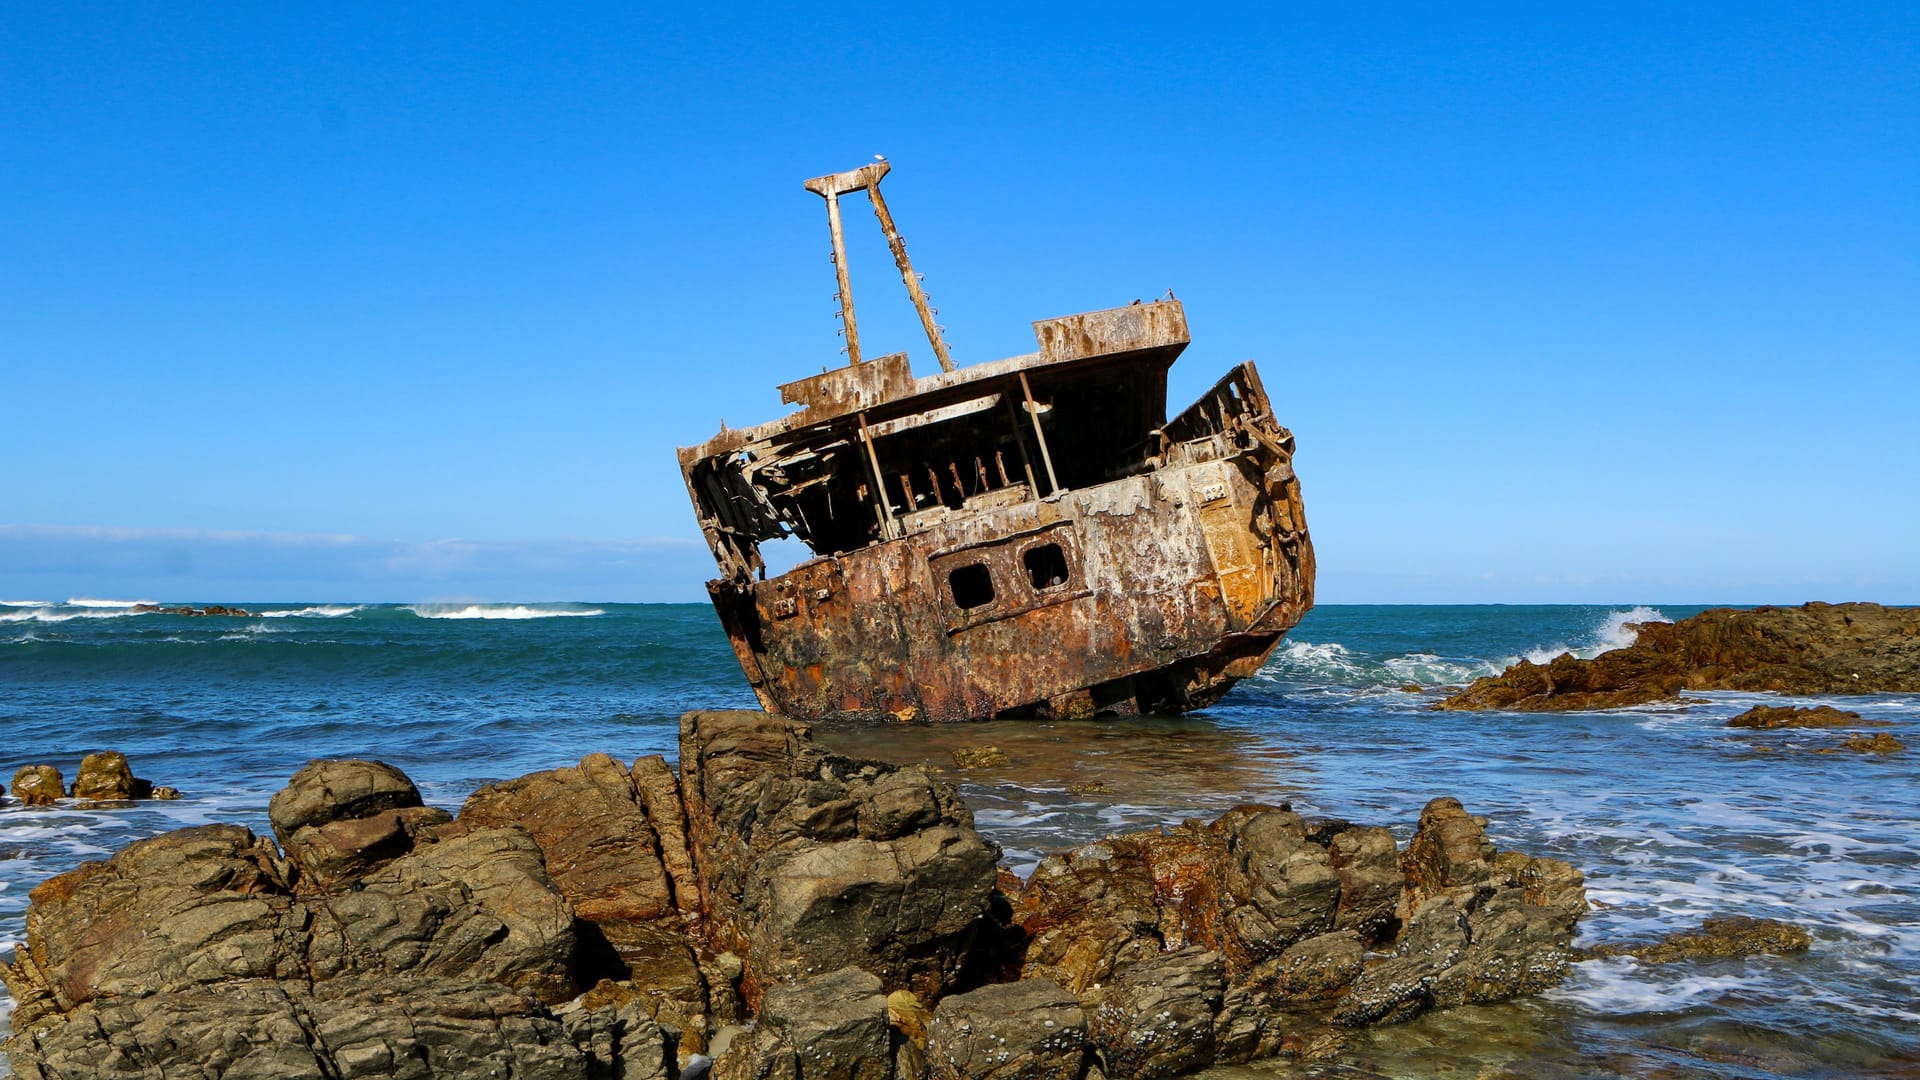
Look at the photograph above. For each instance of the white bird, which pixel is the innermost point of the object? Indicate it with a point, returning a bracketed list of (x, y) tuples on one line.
[(879, 157)]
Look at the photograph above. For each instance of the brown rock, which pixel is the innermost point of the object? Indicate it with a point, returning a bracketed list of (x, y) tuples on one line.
[(1789, 716), (1812, 649), (600, 847), (1368, 867), (659, 792), (1448, 855), (357, 1028), (1027, 1030), (164, 793), (324, 791), (1490, 948), (811, 862), (1736, 935), (825, 1027), (1878, 743), (39, 785), (1157, 1019), (980, 757), (106, 777)]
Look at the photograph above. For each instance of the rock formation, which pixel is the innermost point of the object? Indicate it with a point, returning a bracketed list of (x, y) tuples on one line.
[(1790, 716), (103, 777), (848, 908), (1811, 649), (1732, 935), (39, 785)]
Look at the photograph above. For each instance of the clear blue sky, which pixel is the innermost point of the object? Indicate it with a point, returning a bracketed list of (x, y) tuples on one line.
[(358, 303)]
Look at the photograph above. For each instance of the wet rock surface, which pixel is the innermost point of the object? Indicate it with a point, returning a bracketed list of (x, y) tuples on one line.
[(1812, 649), (1791, 716), (1733, 935), (39, 785), (103, 777), (602, 920)]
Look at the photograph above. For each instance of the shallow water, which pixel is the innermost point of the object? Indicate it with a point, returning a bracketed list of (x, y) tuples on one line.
[(1673, 816)]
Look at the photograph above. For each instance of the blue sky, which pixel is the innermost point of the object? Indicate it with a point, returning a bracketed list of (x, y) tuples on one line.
[(363, 303)]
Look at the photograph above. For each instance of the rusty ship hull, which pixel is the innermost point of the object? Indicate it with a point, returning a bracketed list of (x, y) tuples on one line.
[(1030, 537)]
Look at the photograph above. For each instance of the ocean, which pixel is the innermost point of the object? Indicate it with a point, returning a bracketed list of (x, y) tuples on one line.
[(1673, 816)]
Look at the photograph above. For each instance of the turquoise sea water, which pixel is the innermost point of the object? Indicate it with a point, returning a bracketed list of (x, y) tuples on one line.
[(1673, 816)]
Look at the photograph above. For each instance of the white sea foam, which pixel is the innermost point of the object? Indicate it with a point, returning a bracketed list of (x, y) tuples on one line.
[(26, 603), (1621, 986), (1428, 669), (499, 611), (1612, 633), (321, 611), (89, 602), (52, 615)]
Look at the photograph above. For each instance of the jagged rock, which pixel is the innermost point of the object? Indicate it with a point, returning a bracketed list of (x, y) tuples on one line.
[(1027, 1030), (1812, 649), (599, 845), (1157, 1018), (621, 1041), (475, 902), (39, 785), (827, 1027), (392, 940), (1368, 867), (811, 862), (182, 909), (339, 851), (342, 1029), (1790, 716), (106, 777), (1449, 852), (1493, 947), (659, 792), (1248, 886), (1734, 935)]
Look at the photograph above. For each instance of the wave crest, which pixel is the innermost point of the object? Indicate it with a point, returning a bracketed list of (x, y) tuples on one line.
[(501, 611), (320, 611)]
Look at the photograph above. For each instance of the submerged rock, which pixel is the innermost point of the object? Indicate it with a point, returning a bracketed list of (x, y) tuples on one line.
[(847, 910), (1878, 743), (1812, 649), (1792, 716), (980, 757), (1734, 935)]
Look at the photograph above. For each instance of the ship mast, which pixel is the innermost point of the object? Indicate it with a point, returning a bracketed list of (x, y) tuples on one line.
[(867, 178)]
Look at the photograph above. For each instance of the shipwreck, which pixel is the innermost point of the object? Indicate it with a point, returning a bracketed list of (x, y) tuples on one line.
[(1027, 537)]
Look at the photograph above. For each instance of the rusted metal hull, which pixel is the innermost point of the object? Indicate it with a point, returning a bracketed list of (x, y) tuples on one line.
[(1026, 537), (1179, 582)]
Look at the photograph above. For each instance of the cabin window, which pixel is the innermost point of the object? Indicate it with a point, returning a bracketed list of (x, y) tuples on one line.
[(1046, 566), (972, 586)]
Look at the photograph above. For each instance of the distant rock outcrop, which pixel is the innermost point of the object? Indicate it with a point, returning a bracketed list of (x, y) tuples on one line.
[(849, 909), (1811, 649)]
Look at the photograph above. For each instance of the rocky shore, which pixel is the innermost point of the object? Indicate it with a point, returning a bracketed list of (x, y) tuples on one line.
[(773, 912), (1811, 649)]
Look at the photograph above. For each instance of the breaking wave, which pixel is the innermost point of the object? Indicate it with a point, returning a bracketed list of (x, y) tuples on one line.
[(1612, 633), (1331, 664), (501, 611), (323, 611)]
